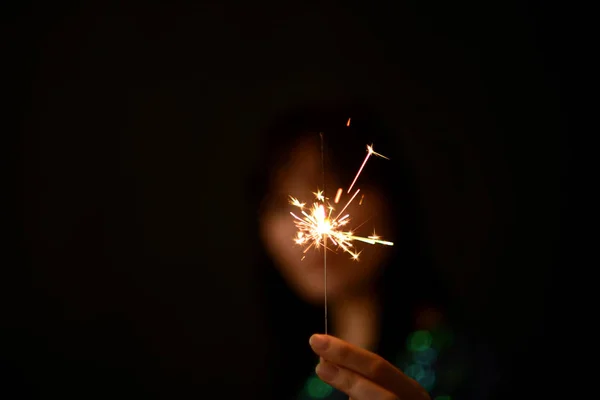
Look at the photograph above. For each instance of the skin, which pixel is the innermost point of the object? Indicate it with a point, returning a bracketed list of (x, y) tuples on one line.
[(346, 278), (345, 364), (362, 374)]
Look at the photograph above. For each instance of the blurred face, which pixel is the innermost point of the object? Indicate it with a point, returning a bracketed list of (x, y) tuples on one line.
[(300, 177)]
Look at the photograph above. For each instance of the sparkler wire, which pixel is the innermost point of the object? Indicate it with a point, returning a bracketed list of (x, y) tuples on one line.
[(325, 237), (315, 226)]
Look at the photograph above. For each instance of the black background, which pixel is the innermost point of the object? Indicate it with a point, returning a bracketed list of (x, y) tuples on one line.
[(139, 123)]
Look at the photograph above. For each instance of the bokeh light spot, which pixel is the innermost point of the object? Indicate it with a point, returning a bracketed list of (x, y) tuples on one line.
[(427, 356), (419, 341), (422, 374), (415, 371), (427, 380), (318, 389)]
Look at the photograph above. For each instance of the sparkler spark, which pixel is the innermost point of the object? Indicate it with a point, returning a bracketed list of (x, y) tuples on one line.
[(316, 226), (369, 152), (338, 195), (374, 235)]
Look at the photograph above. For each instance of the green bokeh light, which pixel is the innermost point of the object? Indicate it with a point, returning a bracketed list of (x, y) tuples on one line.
[(427, 380), (415, 371), (424, 375), (427, 356), (317, 389), (419, 341)]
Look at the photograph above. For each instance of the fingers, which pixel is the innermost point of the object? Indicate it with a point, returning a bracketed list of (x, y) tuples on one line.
[(351, 383), (365, 363)]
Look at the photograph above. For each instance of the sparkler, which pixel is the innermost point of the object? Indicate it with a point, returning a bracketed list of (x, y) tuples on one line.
[(316, 226)]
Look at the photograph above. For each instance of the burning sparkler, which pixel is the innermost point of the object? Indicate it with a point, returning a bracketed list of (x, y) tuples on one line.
[(316, 225)]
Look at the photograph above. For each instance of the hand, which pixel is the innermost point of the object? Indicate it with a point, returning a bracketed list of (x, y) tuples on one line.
[(360, 374)]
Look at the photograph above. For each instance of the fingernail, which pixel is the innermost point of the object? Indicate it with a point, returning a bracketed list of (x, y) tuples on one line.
[(319, 342), (327, 371)]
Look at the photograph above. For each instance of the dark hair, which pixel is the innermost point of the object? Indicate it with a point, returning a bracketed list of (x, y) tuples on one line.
[(406, 280)]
